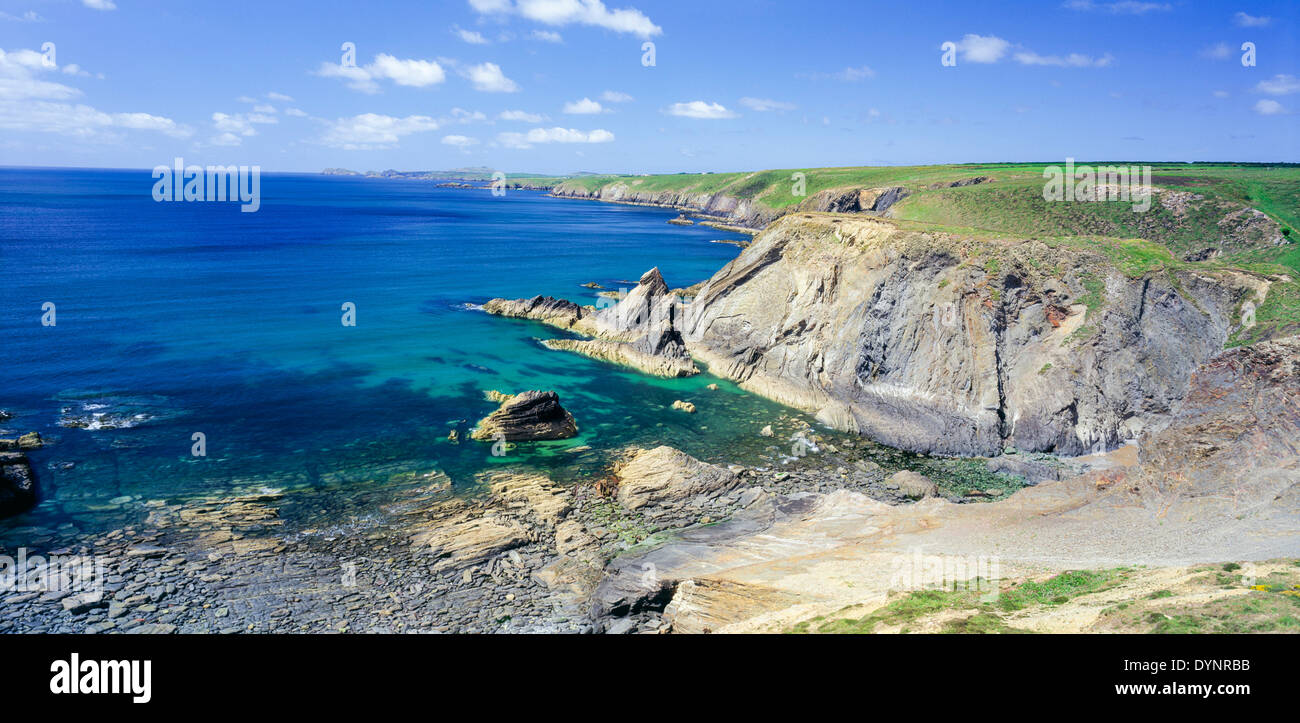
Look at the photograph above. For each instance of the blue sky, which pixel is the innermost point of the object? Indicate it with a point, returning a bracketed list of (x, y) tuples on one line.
[(557, 86)]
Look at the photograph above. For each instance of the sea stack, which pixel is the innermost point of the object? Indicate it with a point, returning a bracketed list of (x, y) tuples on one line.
[(527, 417)]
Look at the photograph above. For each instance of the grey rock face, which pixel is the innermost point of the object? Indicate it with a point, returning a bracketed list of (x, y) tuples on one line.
[(919, 341)]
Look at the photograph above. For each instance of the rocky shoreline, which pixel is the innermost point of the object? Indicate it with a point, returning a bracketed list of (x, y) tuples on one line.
[(626, 551), (639, 331), (523, 555)]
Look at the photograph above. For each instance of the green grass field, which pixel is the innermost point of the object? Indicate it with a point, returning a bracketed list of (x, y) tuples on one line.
[(1202, 208)]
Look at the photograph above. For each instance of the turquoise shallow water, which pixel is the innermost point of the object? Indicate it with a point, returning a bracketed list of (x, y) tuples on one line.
[(177, 318)]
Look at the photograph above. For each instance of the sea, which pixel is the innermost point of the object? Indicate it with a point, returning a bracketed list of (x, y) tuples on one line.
[(327, 343)]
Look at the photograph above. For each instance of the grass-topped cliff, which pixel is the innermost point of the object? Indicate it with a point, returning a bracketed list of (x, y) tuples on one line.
[(1202, 215)]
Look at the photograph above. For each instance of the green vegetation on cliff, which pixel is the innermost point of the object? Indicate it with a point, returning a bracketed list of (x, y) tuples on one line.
[(1204, 216), (1199, 599)]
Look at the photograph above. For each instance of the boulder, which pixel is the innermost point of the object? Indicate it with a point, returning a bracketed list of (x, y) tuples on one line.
[(17, 484), (29, 441), (687, 407), (913, 484), (665, 475), (526, 417)]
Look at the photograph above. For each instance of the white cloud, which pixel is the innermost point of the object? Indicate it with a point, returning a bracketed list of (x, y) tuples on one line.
[(99, 4), (470, 36), (1250, 21), (280, 97), (370, 131), (1221, 94), (519, 115), (226, 139), (566, 12), (553, 135), (586, 106), (1073, 60), (18, 77), (408, 72), (413, 73), (1279, 85), (1218, 51), (236, 123), (1126, 7), (30, 16), (991, 49), (264, 108), (22, 87), (1268, 106), (547, 36), (982, 48), (488, 78), (459, 141), (856, 74), (28, 103), (614, 96), (82, 121), (700, 109), (851, 75), (296, 113), (765, 104)]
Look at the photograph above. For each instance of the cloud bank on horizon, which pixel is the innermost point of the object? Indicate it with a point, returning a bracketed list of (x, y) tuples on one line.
[(663, 87)]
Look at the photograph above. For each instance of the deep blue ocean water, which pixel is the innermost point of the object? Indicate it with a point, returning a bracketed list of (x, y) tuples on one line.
[(177, 318)]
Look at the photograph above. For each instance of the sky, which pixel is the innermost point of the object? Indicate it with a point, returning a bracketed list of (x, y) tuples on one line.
[(565, 86)]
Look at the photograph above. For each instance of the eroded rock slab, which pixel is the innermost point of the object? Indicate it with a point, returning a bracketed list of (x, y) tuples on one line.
[(526, 417), (665, 475)]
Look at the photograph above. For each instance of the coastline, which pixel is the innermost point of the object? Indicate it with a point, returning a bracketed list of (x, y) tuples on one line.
[(523, 554)]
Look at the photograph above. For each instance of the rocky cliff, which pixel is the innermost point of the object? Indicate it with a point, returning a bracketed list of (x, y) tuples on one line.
[(939, 343), (744, 212)]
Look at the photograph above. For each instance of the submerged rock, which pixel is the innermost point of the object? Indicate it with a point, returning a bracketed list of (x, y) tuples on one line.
[(17, 484), (528, 416)]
